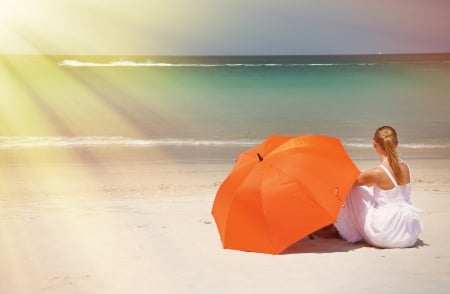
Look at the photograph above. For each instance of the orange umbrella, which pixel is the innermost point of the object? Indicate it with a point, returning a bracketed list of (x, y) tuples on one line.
[(281, 191)]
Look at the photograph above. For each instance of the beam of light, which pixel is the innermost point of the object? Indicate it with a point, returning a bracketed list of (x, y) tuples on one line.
[(86, 27), (45, 99)]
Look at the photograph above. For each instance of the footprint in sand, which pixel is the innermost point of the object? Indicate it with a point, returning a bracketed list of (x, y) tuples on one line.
[(56, 282)]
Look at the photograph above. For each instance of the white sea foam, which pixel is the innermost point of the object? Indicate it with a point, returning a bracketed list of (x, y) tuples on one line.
[(119, 63), (425, 146), (149, 63), (36, 142), (80, 142), (406, 146)]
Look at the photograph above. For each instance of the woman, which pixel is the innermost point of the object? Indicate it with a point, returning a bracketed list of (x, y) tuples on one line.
[(378, 209)]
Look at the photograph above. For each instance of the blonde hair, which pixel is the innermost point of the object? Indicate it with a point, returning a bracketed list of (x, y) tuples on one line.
[(386, 137)]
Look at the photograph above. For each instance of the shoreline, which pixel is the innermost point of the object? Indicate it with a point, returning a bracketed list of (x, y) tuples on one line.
[(115, 227)]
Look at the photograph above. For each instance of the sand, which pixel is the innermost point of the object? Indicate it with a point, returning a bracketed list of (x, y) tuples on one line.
[(146, 227)]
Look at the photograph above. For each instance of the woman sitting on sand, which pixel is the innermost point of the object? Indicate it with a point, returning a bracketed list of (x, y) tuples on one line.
[(378, 208)]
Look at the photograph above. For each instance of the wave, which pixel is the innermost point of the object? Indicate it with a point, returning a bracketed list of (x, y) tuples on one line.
[(93, 141), (128, 63), (405, 146), (35, 142)]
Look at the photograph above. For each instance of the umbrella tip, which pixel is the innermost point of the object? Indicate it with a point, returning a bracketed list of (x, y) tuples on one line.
[(260, 157)]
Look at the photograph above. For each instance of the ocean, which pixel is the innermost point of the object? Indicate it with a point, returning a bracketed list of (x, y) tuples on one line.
[(210, 108)]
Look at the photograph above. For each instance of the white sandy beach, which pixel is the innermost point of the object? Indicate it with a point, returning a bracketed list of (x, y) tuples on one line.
[(147, 228)]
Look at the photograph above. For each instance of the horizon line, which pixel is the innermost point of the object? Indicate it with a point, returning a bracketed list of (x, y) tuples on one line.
[(226, 55)]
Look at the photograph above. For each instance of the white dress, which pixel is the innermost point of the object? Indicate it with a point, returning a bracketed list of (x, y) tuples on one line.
[(382, 218)]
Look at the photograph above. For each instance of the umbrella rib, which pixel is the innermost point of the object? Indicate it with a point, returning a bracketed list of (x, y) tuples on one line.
[(269, 229), (234, 194), (267, 224)]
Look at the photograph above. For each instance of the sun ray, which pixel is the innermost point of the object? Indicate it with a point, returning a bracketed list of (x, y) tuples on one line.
[(41, 98)]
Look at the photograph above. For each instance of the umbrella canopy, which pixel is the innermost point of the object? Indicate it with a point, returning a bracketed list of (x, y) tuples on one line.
[(282, 190)]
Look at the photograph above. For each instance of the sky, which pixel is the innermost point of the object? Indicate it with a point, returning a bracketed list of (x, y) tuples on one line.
[(224, 27)]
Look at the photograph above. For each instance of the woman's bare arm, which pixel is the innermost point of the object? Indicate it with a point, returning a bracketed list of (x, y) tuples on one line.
[(367, 178)]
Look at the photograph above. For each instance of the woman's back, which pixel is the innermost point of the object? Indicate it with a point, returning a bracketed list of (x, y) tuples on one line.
[(385, 179), (393, 193)]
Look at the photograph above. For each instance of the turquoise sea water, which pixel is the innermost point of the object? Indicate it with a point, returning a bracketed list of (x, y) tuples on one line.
[(219, 106)]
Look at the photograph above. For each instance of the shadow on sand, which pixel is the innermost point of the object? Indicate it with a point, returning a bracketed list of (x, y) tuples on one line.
[(329, 245), (420, 243), (322, 245)]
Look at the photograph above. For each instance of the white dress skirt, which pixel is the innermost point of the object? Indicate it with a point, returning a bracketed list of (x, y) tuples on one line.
[(382, 218)]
